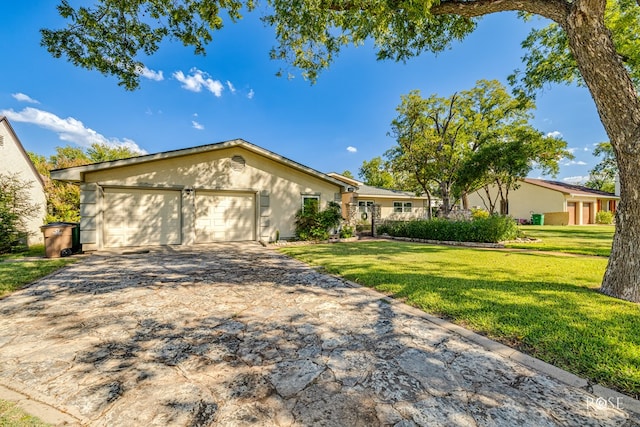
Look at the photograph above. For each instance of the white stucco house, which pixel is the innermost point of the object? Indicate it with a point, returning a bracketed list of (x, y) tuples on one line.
[(229, 191), (15, 161), (561, 203)]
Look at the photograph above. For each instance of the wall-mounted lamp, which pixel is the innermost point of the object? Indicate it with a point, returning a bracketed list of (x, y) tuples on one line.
[(188, 190)]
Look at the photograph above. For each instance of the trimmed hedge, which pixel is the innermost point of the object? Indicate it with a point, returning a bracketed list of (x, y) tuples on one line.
[(493, 229)]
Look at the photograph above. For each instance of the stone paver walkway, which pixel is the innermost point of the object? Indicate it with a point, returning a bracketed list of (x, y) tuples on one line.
[(239, 335)]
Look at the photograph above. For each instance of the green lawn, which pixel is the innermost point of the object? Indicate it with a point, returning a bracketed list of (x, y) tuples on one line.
[(15, 275), (544, 305), (12, 416), (576, 239)]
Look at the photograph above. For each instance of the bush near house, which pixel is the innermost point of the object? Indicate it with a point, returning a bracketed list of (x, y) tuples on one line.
[(314, 224), (604, 217), (492, 229)]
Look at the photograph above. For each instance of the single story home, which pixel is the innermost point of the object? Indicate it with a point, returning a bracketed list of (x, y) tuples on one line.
[(14, 160), (561, 203), (394, 204), (229, 191)]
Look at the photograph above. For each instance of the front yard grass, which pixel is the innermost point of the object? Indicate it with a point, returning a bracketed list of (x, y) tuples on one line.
[(15, 274), (575, 239), (12, 416), (545, 305)]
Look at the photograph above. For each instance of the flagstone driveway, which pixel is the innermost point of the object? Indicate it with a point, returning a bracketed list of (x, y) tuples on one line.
[(237, 334)]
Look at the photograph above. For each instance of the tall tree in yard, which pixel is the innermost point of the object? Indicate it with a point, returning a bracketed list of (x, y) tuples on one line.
[(598, 45)]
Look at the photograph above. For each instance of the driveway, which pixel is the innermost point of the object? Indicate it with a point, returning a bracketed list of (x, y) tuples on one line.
[(237, 334)]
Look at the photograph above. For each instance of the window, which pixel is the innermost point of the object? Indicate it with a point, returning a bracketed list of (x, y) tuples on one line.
[(399, 207), (365, 205), (310, 203)]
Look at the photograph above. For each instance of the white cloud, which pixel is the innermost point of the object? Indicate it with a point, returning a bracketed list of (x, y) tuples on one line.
[(231, 87), (352, 149), (197, 125), (197, 80), (571, 150), (586, 149), (576, 179), (574, 162), (69, 129), (151, 74), (555, 134), (24, 98), (250, 94)]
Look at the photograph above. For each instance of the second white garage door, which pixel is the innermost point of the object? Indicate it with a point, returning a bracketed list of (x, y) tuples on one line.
[(134, 217), (225, 217)]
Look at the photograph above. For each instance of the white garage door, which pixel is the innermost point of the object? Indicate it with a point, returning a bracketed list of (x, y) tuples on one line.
[(135, 217), (225, 217)]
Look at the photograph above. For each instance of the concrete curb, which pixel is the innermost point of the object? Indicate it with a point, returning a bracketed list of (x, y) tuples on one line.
[(38, 406)]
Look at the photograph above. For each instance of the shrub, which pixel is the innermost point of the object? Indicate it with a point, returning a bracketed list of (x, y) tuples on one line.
[(15, 210), (312, 224), (479, 213), (347, 231), (493, 229), (604, 217)]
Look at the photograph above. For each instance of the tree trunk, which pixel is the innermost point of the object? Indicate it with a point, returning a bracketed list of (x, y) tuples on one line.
[(619, 109)]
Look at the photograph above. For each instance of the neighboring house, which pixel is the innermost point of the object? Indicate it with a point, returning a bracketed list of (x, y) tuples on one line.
[(394, 204), (561, 203), (14, 160), (229, 191)]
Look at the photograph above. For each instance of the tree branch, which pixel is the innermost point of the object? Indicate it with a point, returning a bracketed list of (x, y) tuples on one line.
[(556, 10)]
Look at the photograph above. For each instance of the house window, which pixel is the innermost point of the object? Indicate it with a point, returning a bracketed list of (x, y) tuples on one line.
[(399, 207), (365, 205), (310, 203)]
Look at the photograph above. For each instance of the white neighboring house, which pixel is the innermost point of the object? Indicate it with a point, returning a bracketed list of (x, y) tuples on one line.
[(14, 160)]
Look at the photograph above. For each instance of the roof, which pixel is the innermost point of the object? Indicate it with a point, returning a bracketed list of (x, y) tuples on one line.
[(351, 181), (22, 150), (570, 189), (367, 190), (76, 174)]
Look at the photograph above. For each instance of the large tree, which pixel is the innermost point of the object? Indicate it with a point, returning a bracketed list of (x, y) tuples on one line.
[(111, 36)]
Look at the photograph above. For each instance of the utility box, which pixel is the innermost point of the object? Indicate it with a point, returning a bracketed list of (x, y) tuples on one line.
[(58, 239), (537, 219)]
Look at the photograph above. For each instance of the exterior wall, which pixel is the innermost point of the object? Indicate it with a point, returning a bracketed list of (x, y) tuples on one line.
[(14, 160), (524, 201), (418, 209), (278, 189), (556, 218)]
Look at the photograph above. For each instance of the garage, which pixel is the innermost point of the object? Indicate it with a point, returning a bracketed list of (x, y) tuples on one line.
[(137, 217), (225, 216)]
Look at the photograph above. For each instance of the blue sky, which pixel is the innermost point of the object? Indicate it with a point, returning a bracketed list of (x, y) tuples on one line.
[(233, 92)]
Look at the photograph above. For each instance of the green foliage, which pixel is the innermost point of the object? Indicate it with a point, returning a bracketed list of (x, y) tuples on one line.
[(314, 224), (602, 176), (479, 213), (16, 210), (492, 229), (469, 140), (376, 174), (348, 174), (604, 217), (347, 231), (111, 36), (548, 58)]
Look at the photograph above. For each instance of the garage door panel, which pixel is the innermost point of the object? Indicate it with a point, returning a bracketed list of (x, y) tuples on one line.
[(224, 217), (135, 217)]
